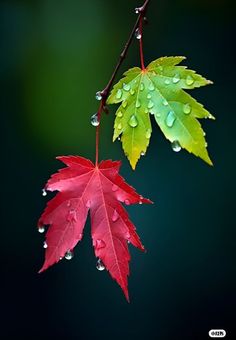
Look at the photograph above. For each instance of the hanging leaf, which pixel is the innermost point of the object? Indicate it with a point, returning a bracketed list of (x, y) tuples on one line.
[(159, 90), (82, 187)]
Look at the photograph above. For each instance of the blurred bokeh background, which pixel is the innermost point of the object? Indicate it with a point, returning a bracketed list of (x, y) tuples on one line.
[(54, 56)]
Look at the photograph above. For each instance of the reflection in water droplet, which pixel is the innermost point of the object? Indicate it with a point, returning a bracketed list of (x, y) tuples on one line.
[(45, 244), (44, 192), (141, 86), (115, 216), (138, 34), (150, 104), (187, 109), (124, 104), (127, 202), (69, 255), (119, 94), (148, 134), (170, 119), (176, 79), (98, 95), (151, 87), (119, 114), (126, 87), (41, 230), (94, 120), (133, 122), (100, 266), (167, 81), (137, 104), (176, 147), (189, 80), (99, 244), (114, 187)]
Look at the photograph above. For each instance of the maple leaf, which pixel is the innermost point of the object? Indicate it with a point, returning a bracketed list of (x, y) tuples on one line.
[(159, 90), (82, 187)]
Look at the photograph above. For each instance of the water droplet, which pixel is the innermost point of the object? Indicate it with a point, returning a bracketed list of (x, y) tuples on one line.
[(41, 230), (98, 95), (140, 202), (115, 216), (187, 109), (167, 81), (137, 104), (142, 153), (127, 202), (124, 104), (44, 192), (176, 147), (99, 244), (72, 217), (126, 87), (150, 104), (170, 119), (151, 87), (88, 204), (133, 122), (119, 114), (60, 258), (148, 134), (141, 86), (69, 255), (176, 79), (204, 133), (136, 10), (119, 126), (138, 34), (146, 110), (127, 235), (132, 92), (165, 102), (189, 80), (45, 245), (118, 138), (100, 266), (206, 144), (149, 96), (94, 120), (114, 187), (119, 94)]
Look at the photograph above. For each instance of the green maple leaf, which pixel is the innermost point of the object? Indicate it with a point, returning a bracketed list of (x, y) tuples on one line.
[(159, 90)]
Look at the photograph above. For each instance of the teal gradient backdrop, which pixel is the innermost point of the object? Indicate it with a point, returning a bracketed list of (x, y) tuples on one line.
[(54, 56)]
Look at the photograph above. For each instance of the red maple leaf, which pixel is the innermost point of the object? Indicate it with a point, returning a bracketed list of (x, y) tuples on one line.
[(81, 187)]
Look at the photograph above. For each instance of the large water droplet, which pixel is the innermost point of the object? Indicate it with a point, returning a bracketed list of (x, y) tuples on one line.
[(176, 147), (119, 94), (119, 126), (132, 92), (44, 192), (141, 86), (138, 34), (176, 79), (148, 133), (150, 104), (114, 187), (41, 230), (165, 102), (99, 244), (170, 119), (98, 95), (189, 80), (69, 255), (124, 104), (187, 109), (100, 266), (45, 245), (133, 122), (94, 120), (167, 81), (127, 202), (137, 104), (151, 87), (126, 87), (115, 216), (119, 114), (149, 96)]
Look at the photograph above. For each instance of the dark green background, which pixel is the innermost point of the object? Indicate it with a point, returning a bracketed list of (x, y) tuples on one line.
[(54, 56)]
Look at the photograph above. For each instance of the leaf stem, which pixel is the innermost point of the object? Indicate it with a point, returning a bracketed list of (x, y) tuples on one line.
[(141, 11)]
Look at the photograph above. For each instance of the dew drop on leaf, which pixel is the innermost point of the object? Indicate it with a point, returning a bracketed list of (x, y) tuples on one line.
[(189, 80), (165, 102), (142, 86), (133, 122), (114, 187), (137, 104), (44, 192), (149, 96), (132, 92), (167, 81), (148, 134), (127, 202), (119, 126), (176, 79), (150, 104), (151, 87), (69, 255), (127, 235), (176, 147), (41, 230), (94, 120), (142, 153), (115, 216), (138, 34), (99, 244), (119, 114), (187, 109), (126, 87), (98, 95), (124, 104), (88, 204), (100, 266), (170, 119), (119, 94), (45, 244)]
